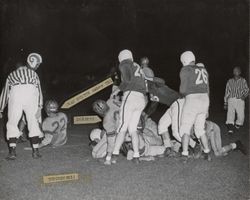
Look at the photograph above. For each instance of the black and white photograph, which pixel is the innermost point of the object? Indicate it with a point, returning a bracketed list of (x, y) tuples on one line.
[(124, 99)]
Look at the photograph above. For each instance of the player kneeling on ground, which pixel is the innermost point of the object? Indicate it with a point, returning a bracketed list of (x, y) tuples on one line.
[(213, 133), (54, 126), (109, 111)]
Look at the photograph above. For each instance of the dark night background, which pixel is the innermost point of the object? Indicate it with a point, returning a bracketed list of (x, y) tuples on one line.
[(79, 40)]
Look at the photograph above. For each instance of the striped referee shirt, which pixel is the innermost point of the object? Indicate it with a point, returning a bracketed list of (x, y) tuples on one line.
[(236, 88), (21, 76)]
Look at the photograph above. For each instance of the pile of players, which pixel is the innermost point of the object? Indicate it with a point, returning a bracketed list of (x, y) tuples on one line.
[(129, 130)]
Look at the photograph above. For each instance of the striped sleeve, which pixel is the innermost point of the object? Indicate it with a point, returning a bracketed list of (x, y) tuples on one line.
[(4, 96), (245, 89), (40, 103), (227, 91)]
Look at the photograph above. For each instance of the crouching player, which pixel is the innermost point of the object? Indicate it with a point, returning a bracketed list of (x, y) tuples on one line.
[(54, 126), (213, 133), (98, 143), (109, 111), (172, 117)]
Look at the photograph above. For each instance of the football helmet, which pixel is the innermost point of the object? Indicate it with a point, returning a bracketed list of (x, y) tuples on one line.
[(100, 107), (187, 57), (124, 55), (34, 60), (51, 106)]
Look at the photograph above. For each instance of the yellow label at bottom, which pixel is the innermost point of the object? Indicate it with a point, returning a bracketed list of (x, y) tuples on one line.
[(60, 178)]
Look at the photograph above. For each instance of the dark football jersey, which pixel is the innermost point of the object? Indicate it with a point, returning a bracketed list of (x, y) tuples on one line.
[(194, 80), (131, 77)]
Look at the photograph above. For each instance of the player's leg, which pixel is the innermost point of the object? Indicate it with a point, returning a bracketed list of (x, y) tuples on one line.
[(132, 128), (31, 108), (240, 110), (134, 121), (230, 115), (213, 141), (111, 143), (199, 127), (14, 115), (100, 149), (125, 114), (163, 125), (187, 120)]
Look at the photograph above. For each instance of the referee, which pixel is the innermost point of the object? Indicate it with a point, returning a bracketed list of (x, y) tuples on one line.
[(234, 100), (22, 93)]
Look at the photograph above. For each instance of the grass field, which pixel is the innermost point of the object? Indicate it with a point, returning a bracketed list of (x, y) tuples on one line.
[(225, 178)]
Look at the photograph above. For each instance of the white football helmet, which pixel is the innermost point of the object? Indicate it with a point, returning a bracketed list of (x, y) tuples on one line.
[(187, 57), (95, 134), (200, 65), (124, 55), (33, 60)]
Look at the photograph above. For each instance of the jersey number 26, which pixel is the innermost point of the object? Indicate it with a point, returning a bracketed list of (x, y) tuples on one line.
[(201, 77)]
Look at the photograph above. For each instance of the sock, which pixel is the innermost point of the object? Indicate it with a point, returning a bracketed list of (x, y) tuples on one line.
[(136, 155), (206, 150), (35, 146), (184, 153), (108, 158), (12, 142), (233, 145), (12, 145), (166, 143), (115, 153)]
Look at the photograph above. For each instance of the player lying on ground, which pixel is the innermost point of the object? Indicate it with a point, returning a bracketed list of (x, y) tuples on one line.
[(54, 126), (23, 94), (109, 111), (194, 87), (150, 142), (172, 117), (213, 133)]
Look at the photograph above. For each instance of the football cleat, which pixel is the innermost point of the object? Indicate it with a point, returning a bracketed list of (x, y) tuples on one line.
[(207, 156), (167, 152), (107, 162), (240, 147), (197, 151), (114, 158), (12, 154), (184, 159), (136, 160), (36, 154)]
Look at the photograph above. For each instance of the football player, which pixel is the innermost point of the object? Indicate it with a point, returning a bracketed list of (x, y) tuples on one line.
[(98, 143), (213, 133), (109, 111), (172, 117), (194, 87), (54, 126), (134, 101)]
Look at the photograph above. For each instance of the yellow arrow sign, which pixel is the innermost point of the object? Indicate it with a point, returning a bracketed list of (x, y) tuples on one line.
[(60, 178), (91, 119), (87, 93)]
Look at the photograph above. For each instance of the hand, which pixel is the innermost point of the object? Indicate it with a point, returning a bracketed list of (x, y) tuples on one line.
[(38, 113), (225, 106), (1, 115)]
